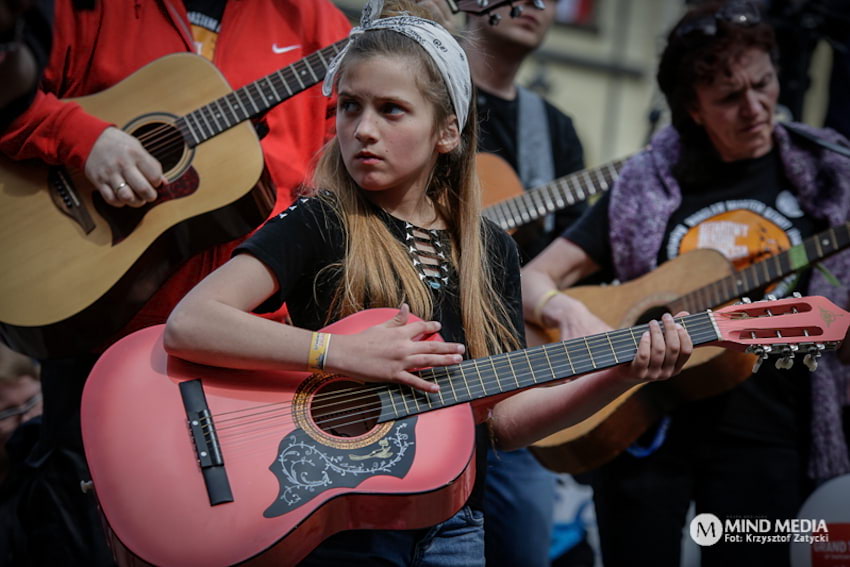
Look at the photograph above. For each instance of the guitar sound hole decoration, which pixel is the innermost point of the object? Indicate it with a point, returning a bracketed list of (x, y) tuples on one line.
[(305, 468)]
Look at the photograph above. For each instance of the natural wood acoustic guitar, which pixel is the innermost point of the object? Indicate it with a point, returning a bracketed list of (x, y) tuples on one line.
[(695, 281), (206, 467)]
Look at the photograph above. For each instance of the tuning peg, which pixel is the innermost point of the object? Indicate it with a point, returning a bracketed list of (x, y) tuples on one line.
[(483, 3), (786, 358), (516, 11), (746, 300), (495, 19), (770, 297), (539, 4), (811, 362), (796, 294), (811, 359), (761, 353)]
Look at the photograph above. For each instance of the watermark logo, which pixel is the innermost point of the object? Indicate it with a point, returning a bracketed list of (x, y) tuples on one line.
[(706, 529)]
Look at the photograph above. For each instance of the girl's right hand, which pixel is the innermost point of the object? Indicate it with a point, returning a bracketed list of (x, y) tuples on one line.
[(388, 352)]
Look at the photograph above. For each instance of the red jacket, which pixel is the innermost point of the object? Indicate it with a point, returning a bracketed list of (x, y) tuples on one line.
[(95, 49)]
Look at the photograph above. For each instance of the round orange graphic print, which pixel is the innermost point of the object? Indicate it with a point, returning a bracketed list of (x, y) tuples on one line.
[(741, 235)]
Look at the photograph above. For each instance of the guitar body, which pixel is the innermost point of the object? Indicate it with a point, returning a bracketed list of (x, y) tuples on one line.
[(64, 276), (498, 179), (293, 483), (710, 371)]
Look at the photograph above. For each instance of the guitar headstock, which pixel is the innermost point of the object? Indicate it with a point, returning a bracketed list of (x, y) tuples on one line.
[(783, 327), (482, 7)]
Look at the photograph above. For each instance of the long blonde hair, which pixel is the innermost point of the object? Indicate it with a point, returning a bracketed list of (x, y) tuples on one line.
[(377, 270)]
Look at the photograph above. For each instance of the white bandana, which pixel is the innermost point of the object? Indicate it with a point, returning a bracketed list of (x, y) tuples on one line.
[(437, 42)]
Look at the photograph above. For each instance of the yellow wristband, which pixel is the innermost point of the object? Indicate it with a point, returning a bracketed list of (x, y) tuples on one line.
[(541, 303), (318, 353)]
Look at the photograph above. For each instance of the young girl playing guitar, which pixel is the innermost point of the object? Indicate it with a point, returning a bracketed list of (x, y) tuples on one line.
[(395, 221)]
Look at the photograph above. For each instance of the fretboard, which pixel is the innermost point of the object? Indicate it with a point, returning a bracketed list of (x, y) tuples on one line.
[(502, 373), (554, 196), (761, 273), (255, 98)]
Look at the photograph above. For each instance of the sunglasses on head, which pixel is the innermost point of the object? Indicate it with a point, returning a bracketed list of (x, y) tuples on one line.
[(738, 13)]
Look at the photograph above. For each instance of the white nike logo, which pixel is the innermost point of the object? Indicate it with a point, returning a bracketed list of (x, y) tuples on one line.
[(280, 50)]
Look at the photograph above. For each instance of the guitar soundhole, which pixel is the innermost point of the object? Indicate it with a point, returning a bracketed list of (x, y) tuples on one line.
[(163, 141), (345, 409)]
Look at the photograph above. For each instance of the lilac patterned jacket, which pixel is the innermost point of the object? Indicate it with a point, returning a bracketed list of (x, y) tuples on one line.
[(646, 195)]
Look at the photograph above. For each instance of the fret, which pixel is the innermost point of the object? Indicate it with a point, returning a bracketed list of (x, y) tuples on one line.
[(207, 116), (590, 354), (634, 340), (223, 115), (413, 396), (203, 120), (520, 213), (598, 182), (294, 71), (251, 100), (214, 118), (569, 358), (208, 112), (480, 377), (614, 352), (324, 62), (271, 90), (283, 80), (199, 125), (530, 366), (513, 371), (767, 276), (465, 382), (440, 391), (262, 95), (185, 122), (392, 401), (403, 400), (310, 68), (548, 361), (582, 182), (451, 384), (537, 200), (559, 195), (492, 360)]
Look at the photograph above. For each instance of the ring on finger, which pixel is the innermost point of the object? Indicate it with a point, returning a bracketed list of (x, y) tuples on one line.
[(121, 186)]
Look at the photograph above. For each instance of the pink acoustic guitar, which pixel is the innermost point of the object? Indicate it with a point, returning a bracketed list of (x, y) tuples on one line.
[(202, 466)]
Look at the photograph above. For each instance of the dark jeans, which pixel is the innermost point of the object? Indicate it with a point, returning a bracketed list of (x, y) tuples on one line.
[(459, 541)]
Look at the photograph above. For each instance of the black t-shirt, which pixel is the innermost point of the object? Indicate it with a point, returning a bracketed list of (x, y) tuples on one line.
[(498, 135), (304, 245), (748, 211)]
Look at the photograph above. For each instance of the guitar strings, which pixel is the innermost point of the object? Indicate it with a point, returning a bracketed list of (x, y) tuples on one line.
[(536, 354), (355, 417), (270, 96), (619, 338)]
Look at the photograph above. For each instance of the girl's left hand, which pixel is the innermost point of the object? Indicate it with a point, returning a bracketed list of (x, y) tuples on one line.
[(661, 353)]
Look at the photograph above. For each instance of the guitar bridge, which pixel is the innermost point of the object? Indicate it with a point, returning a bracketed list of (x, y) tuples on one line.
[(66, 199), (207, 447)]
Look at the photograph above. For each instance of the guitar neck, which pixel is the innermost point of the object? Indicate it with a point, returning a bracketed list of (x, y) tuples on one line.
[(553, 196), (503, 373), (255, 98), (761, 273)]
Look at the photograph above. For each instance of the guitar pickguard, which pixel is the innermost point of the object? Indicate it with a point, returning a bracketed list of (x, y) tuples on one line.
[(124, 220), (305, 468)]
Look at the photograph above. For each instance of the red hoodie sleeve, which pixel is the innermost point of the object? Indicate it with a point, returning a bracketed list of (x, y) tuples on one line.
[(54, 131)]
